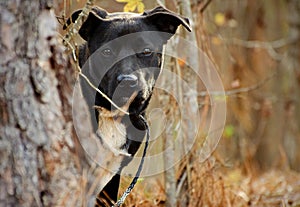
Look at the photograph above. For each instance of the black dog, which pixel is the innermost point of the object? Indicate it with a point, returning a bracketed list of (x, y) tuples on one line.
[(122, 56)]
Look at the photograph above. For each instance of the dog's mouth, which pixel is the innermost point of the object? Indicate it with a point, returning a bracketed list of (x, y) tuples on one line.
[(126, 90), (127, 87), (123, 97)]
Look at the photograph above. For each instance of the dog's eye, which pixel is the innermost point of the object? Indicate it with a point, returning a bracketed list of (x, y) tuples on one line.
[(107, 52), (147, 52)]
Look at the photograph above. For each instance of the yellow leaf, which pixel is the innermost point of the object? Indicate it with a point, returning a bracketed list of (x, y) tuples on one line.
[(130, 7), (220, 19), (123, 1), (141, 7)]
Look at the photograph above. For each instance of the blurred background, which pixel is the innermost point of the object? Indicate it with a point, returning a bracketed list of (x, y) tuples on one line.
[(255, 47)]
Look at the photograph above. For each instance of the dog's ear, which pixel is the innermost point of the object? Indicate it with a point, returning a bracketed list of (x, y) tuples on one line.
[(165, 20), (71, 19), (90, 24), (95, 17)]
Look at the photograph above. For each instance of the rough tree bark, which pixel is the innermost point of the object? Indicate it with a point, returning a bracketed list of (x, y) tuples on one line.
[(42, 164), (35, 134), (291, 139)]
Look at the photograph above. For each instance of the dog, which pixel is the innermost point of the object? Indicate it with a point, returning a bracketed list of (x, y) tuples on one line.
[(122, 56)]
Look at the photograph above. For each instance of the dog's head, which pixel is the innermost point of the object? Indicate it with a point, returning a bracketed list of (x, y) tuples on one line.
[(123, 53)]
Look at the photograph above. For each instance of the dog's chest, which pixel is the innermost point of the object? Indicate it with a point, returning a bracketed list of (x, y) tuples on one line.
[(112, 132)]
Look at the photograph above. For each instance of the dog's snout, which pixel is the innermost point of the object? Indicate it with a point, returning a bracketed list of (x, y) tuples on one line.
[(127, 80)]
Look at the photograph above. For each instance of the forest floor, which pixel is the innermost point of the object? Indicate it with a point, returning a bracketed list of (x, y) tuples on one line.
[(212, 186)]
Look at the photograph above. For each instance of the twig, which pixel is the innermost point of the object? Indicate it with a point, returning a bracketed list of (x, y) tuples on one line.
[(69, 37), (61, 20), (103, 94), (239, 90), (160, 3), (74, 27), (261, 44), (181, 182), (269, 46), (104, 113), (205, 6)]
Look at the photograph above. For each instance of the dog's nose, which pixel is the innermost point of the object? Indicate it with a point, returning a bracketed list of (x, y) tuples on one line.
[(127, 80)]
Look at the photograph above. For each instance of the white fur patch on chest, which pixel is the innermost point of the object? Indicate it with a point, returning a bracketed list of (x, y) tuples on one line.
[(111, 131)]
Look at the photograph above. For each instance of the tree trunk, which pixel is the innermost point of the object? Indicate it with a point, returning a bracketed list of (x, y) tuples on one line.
[(291, 139), (36, 135), (42, 163)]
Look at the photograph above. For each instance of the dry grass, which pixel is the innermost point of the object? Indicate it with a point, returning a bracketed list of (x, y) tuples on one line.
[(212, 185)]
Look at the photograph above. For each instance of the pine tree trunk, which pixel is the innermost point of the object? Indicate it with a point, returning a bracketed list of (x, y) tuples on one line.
[(291, 139), (36, 134), (42, 164)]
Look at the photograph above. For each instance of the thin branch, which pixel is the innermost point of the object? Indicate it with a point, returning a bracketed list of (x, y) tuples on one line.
[(68, 39), (73, 28), (103, 94), (205, 6), (160, 3), (181, 182), (269, 46), (261, 44), (61, 19), (239, 90)]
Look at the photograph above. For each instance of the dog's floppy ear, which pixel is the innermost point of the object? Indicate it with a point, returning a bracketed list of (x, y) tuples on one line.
[(71, 19), (95, 17), (165, 20)]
